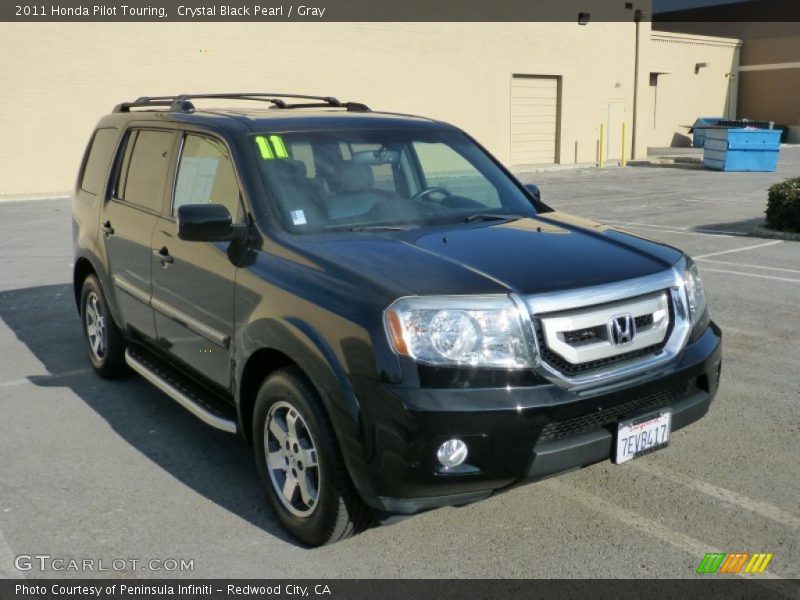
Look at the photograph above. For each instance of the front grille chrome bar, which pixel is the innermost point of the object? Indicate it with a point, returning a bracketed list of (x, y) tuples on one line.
[(556, 328), (663, 339)]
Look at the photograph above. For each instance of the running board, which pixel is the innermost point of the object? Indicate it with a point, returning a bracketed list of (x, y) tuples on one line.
[(201, 403)]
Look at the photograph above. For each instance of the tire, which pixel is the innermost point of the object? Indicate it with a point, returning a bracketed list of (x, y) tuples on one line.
[(320, 505), (104, 341)]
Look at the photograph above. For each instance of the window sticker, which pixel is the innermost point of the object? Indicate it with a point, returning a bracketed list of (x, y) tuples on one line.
[(280, 147), (298, 217), (272, 147), (263, 145), (196, 176)]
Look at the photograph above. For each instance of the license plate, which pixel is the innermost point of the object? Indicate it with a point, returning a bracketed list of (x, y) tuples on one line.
[(642, 436)]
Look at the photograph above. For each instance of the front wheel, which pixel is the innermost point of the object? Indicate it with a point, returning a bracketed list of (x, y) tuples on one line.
[(300, 465)]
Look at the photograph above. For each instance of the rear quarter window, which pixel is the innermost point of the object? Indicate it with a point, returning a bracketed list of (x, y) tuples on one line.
[(101, 149)]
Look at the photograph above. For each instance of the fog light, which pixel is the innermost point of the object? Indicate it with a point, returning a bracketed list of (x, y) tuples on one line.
[(452, 453)]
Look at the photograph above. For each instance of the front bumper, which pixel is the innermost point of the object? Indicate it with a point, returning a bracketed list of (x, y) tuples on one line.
[(514, 434)]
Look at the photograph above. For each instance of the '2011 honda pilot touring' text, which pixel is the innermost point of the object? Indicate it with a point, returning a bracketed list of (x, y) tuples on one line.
[(382, 310)]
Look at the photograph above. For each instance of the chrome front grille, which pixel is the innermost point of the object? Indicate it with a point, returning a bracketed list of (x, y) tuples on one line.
[(581, 340)]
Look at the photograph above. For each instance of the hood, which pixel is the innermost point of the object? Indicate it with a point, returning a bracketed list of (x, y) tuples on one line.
[(550, 252)]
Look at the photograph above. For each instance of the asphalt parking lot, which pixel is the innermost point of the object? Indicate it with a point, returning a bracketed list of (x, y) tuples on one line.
[(103, 470)]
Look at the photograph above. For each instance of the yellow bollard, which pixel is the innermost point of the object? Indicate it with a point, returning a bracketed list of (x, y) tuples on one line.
[(624, 160), (601, 162)]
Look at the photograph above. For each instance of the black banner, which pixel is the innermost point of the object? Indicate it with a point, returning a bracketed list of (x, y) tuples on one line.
[(383, 589), (386, 10)]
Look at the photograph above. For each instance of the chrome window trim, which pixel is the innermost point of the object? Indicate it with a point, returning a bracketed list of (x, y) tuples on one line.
[(670, 280)]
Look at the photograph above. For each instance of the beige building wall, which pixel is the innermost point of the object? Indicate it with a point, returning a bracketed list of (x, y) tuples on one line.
[(679, 90), (769, 64), (60, 78)]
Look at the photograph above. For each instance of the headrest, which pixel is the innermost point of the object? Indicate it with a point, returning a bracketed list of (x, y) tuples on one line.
[(284, 167), (351, 177)]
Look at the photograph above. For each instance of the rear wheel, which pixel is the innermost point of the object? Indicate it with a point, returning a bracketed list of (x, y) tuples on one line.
[(104, 341), (300, 465)]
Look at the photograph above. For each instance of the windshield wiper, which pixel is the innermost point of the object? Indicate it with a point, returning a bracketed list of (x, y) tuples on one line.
[(377, 228), (492, 217), (357, 227)]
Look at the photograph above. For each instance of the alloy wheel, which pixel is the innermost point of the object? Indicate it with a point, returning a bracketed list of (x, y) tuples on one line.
[(95, 322), (292, 460)]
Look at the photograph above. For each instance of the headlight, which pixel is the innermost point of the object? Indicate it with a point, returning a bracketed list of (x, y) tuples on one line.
[(695, 294), (474, 331)]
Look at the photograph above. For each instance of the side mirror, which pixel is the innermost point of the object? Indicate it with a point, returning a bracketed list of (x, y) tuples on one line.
[(207, 223), (534, 191)]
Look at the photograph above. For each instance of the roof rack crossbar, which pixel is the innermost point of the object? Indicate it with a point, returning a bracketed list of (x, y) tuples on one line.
[(127, 106), (350, 106), (182, 102)]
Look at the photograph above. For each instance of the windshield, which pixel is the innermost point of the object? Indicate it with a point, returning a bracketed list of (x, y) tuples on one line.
[(374, 179)]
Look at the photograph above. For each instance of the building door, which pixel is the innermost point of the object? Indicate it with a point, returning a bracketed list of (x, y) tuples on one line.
[(534, 119), (617, 115)]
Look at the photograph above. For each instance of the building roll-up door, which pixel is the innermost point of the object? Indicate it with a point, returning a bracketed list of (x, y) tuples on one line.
[(534, 119)]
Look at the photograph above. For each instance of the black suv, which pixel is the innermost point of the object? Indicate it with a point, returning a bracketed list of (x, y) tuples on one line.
[(376, 304)]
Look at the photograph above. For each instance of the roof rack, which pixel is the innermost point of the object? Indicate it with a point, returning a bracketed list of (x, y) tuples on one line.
[(182, 103)]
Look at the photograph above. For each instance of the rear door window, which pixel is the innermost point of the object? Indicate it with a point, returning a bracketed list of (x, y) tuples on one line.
[(146, 169), (94, 173)]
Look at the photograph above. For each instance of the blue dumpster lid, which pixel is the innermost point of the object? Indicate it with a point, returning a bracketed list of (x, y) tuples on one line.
[(707, 121)]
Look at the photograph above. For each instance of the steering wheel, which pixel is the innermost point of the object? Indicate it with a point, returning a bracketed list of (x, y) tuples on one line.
[(423, 194)]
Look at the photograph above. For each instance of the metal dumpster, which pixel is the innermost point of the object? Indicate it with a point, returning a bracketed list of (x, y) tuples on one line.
[(699, 129), (742, 149)]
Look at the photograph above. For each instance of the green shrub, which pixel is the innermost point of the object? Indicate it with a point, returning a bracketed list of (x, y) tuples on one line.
[(783, 205)]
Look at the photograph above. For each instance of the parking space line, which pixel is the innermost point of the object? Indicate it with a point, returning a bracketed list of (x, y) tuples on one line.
[(677, 229), (758, 275), (47, 376), (695, 548), (7, 560), (744, 249), (696, 233), (763, 509), (733, 264)]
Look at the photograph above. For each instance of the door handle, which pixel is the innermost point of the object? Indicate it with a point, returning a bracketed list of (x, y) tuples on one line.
[(164, 256), (107, 229)]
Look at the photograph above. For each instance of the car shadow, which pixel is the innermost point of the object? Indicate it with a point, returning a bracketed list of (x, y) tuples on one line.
[(215, 464), (742, 226)]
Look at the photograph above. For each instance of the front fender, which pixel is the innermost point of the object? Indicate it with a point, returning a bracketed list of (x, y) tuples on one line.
[(301, 343)]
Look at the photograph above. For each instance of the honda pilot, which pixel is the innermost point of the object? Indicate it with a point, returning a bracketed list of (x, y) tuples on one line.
[(387, 316)]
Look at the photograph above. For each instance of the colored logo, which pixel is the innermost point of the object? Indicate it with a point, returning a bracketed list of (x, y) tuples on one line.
[(734, 562)]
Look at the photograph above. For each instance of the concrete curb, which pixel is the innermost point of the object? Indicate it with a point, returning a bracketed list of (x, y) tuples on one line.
[(27, 197), (547, 168), (765, 232)]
